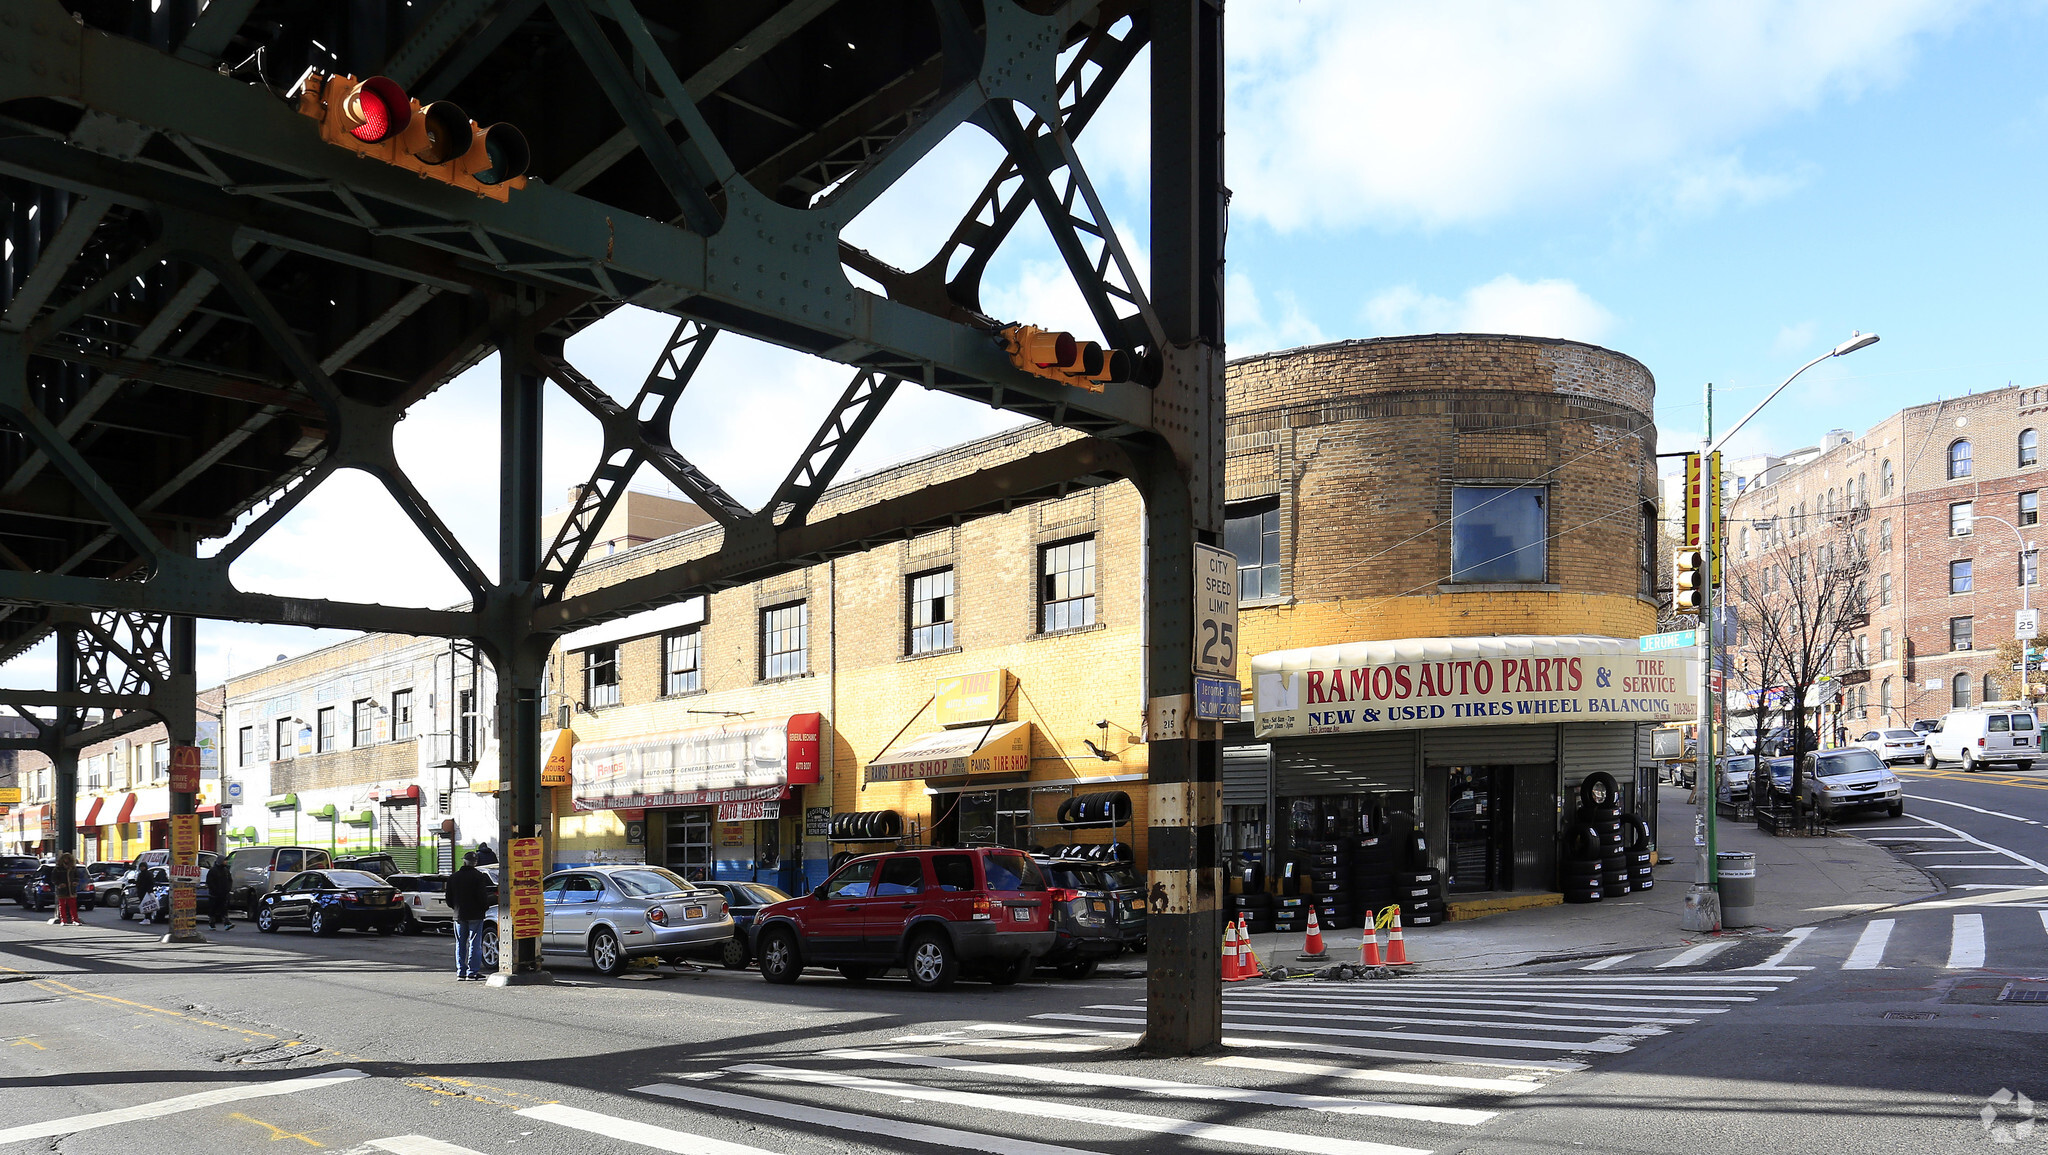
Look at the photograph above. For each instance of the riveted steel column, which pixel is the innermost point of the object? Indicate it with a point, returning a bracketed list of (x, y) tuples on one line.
[(63, 755), (513, 643), (177, 703)]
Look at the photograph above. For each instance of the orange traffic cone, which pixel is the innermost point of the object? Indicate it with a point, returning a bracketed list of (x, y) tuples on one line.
[(1230, 974), (1312, 949), (1247, 958), (1369, 951), (1397, 951)]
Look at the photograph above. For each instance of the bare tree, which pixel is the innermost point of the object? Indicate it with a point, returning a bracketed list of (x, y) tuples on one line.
[(1800, 604)]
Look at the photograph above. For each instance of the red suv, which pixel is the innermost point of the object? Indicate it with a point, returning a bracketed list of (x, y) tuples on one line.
[(938, 914)]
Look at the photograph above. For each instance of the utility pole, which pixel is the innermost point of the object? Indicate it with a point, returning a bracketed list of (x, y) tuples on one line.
[(1703, 902)]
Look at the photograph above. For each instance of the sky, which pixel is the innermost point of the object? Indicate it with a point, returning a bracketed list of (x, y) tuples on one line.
[(1722, 191)]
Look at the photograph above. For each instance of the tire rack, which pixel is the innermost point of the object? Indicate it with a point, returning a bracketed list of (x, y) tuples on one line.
[(911, 835), (1110, 824)]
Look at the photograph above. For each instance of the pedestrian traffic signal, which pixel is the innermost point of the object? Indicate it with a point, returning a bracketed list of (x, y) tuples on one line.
[(1062, 357), (376, 118), (1688, 581)]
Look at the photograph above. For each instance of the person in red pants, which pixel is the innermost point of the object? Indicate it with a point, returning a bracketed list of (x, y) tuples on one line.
[(64, 881)]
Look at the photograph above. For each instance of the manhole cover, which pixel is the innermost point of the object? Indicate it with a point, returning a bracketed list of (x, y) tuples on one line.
[(1908, 1014), (2014, 993)]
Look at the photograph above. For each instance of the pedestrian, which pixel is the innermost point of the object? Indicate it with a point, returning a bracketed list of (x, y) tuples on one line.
[(220, 883), (485, 856), (64, 881), (469, 896)]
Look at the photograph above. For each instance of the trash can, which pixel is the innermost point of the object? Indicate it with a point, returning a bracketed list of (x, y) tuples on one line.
[(1738, 888)]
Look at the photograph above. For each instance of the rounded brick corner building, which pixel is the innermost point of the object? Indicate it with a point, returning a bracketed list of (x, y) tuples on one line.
[(1447, 548)]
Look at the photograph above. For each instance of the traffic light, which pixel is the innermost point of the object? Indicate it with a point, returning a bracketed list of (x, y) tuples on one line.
[(377, 119), (1688, 580), (1061, 357)]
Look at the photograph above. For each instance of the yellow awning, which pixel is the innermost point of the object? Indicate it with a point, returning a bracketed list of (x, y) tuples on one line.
[(1004, 747)]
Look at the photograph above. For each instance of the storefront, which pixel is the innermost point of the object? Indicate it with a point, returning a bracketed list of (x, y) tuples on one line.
[(1477, 744)]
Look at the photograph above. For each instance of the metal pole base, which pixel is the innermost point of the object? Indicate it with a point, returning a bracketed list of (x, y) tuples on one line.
[(534, 978), (1702, 910), (191, 938)]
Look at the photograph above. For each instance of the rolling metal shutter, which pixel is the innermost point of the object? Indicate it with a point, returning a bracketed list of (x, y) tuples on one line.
[(1591, 746), (1247, 774), (1490, 746), (1344, 764)]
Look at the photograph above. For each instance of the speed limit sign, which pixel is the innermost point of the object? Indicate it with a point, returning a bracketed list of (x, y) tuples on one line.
[(1215, 611)]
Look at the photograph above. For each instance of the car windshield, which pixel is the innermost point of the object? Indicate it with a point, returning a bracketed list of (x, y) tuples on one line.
[(353, 878), (762, 893), (1781, 768), (1739, 765), (1120, 877), (104, 870), (1833, 763), (1012, 872), (1070, 876), (650, 881), (1901, 735)]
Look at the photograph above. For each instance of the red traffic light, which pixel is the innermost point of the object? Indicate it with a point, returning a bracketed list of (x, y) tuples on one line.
[(377, 109), (377, 119)]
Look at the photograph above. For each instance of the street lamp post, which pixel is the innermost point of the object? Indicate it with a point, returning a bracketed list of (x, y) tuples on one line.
[(1703, 905)]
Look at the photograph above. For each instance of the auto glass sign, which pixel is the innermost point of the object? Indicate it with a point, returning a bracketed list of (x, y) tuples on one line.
[(1469, 691)]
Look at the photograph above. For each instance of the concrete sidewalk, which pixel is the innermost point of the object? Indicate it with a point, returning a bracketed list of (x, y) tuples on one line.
[(1800, 882)]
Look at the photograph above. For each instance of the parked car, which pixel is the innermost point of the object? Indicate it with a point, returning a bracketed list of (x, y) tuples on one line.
[(615, 914), (1894, 745), (1781, 777), (382, 865), (1985, 735), (39, 890), (426, 901), (744, 900), (258, 870), (326, 900), (1851, 778), (1732, 783), (103, 879), (1927, 725), (983, 911), (1084, 917), (16, 869), (151, 873)]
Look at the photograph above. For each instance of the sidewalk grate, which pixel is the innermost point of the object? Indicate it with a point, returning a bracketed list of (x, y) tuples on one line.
[(2014, 993), (1908, 1015)]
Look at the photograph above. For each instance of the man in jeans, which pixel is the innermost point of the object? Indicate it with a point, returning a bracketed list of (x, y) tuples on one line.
[(469, 896)]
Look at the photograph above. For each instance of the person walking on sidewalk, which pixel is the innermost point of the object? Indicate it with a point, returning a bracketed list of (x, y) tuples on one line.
[(220, 882), (469, 896), (64, 883)]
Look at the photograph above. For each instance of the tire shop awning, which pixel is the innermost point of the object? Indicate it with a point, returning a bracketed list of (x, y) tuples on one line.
[(1416, 683), (999, 748)]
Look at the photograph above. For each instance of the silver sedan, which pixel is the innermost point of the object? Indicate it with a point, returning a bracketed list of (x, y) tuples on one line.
[(614, 914)]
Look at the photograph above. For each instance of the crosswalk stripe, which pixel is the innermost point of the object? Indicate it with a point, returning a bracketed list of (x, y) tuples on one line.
[(419, 1145), (1378, 1074), (1699, 953), (2044, 920), (1254, 1011), (782, 1109), (1246, 1042), (632, 1131), (1696, 982), (1657, 995), (1412, 1002), (1966, 942), (1330, 1104), (1777, 961), (1870, 944), (1612, 960), (1055, 1046), (1076, 1113), (1543, 1015), (73, 1124), (1916, 853), (1608, 1045), (1973, 866)]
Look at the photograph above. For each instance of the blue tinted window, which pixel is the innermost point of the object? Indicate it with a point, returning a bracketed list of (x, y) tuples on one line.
[(1498, 532)]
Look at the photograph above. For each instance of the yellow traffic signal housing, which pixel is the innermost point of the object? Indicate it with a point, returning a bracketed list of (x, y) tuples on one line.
[(1688, 580), (376, 118), (1061, 357)]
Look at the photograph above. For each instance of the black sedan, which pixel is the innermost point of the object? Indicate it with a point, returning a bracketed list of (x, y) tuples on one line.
[(325, 901), (744, 900), (39, 890), (16, 869)]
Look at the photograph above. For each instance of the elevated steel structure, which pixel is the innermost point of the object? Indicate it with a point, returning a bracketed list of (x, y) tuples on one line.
[(206, 311)]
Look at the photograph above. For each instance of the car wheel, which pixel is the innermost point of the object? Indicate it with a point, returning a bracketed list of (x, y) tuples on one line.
[(413, 925), (490, 947), (1969, 763), (1080, 969), (2023, 766), (606, 954), (264, 922), (735, 956), (385, 928), (1930, 761), (856, 973), (933, 965), (1011, 973), (780, 962), (324, 924), (1897, 809)]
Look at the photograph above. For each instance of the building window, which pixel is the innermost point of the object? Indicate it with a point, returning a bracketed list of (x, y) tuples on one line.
[(1884, 645), (2030, 448), (1959, 634), (1252, 532), (365, 713), (785, 633), (286, 733), (1884, 696), (323, 734), (1498, 533), (465, 726), (1959, 460), (245, 746), (2030, 507), (1990, 687), (2030, 567), (1959, 692), (1649, 559), (931, 612), (1884, 589), (401, 715), (1884, 536), (1959, 515), (1066, 585), (1743, 550), (601, 676), (1862, 651), (1884, 478), (1959, 576), (682, 655)]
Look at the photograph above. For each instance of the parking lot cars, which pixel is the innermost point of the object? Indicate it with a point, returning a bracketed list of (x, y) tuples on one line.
[(258, 870), (744, 900), (39, 890), (1732, 783), (615, 914), (103, 883), (1850, 778), (326, 901), (380, 864), (1084, 919), (1926, 725), (1992, 734), (983, 912), (145, 890), (426, 901), (16, 869), (1894, 745)]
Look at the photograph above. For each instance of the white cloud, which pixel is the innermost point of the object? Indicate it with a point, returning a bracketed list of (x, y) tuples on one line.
[(1251, 331), (1433, 115), (1794, 340), (1506, 304)]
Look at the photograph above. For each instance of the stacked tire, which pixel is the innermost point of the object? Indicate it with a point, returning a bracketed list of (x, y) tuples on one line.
[(1377, 857), (1325, 867), (1582, 880), (867, 824), (1102, 808), (1420, 894), (1290, 913), (1602, 840), (1257, 910), (1642, 855)]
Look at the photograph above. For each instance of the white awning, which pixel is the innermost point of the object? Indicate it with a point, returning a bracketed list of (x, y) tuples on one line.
[(1413, 683), (689, 612)]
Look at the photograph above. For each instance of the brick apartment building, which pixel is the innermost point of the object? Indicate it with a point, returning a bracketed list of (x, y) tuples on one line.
[(1944, 499)]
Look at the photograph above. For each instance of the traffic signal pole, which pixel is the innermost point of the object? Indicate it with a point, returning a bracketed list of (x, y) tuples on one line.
[(1703, 903)]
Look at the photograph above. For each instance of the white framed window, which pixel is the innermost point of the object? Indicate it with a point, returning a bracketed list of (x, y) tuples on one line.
[(785, 640), (930, 620), (1066, 587), (601, 676), (1960, 514), (682, 655)]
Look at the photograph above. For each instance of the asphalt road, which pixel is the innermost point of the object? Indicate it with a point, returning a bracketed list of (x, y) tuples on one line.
[(112, 1042)]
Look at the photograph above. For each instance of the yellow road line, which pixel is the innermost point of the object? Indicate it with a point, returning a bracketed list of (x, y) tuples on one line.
[(276, 1132)]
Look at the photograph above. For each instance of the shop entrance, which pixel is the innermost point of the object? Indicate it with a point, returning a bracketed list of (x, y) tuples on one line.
[(686, 844), (1479, 803)]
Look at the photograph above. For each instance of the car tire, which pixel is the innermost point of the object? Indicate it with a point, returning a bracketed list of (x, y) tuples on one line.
[(1011, 973), (856, 973), (735, 956), (1969, 763), (385, 929), (1897, 810), (933, 963), (1078, 969), (605, 952), (323, 924), (1930, 761), (264, 922), (413, 925), (2023, 766), (781, 962), (490, 947)]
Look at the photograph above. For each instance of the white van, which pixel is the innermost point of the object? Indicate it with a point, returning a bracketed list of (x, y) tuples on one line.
[(1996, 733)]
